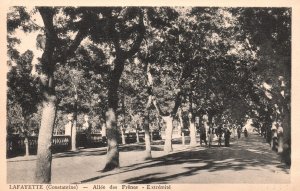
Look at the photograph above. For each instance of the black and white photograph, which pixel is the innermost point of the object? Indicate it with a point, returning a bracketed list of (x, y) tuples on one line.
[(148, 95)]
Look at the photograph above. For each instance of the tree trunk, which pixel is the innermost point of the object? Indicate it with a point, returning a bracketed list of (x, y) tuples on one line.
[(114, 77), (103, 130), (147, 138), (148, 154), (183, 138), (151, 137), (73, 135), (111, 116), (168, 137), (112, 144), (193, 141), (123, 136), (181, 126), (268, 134), (192, 128), (137, 134), (286, 148), (26, 142), (25, 131), (74, 124), (44, 154), (124, 122)]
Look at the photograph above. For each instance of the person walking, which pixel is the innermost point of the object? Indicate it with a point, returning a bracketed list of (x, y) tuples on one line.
[(220, 134), (245, 132), (227, 137), (239, 132), (202, 135)]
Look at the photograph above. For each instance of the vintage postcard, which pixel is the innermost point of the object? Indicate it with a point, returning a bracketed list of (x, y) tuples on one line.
[(149, 95)]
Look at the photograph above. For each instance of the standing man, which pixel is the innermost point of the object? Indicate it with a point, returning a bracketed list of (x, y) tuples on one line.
[(239, 131), (202, 135), (227, 137)]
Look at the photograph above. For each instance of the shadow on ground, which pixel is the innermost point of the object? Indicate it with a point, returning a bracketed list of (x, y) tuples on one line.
[(102, 151), (247, 153)]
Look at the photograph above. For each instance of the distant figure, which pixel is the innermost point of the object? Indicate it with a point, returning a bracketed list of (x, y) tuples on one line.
[(239, 132), (245, 132), (219, 134), (280, 137), (202, 135), (227, 137)]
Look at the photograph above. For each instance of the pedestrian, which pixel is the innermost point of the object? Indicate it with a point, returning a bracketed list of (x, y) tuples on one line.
[(227, 137), (202, 135), (274, 143), (280, 137), (219, 134), (239, 131), (245, 132)]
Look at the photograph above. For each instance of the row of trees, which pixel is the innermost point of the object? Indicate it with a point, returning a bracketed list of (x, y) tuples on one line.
[(227, 64)]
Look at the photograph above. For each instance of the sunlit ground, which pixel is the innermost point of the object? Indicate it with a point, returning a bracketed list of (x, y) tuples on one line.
[(248, 160)]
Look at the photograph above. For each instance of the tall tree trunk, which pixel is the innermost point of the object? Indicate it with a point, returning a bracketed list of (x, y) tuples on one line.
[(74, 123), (44, 153), (103, 130), (168, 137), (151, 136), (193, 141), (111, 117), (112, 142), (147, 137), (115, 75), (73, 135), (269, 134), (286, 148), (181, 126), (123, 136), (124, 121), (26, 142), (148, 154), (26, 132), (183, 138), (137, 134)]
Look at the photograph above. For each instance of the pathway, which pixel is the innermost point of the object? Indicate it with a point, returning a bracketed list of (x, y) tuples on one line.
[(248, 160)]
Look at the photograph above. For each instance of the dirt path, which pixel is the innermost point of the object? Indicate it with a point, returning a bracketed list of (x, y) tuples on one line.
[(248, 160)]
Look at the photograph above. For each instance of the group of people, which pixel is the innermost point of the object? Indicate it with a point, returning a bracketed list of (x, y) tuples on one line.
[(220, 132)]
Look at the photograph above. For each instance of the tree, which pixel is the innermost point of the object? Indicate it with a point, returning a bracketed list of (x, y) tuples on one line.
[(81, 88), (123, 29), (22, 92), (55, 49), (269, 30)]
